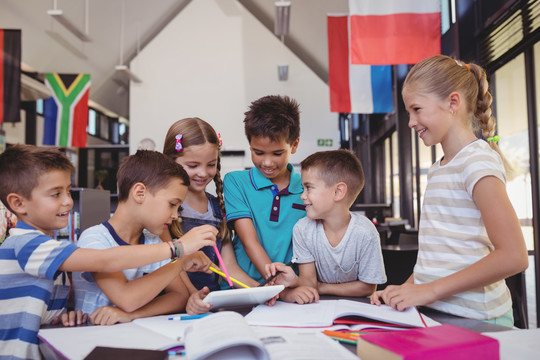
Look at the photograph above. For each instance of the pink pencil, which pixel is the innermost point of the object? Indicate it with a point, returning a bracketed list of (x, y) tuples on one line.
[(223, 266)]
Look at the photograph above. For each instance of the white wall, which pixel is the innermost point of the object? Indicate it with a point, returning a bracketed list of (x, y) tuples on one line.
[(212, 61)]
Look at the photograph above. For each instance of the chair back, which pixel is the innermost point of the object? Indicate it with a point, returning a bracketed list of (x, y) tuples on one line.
[(516, 285)]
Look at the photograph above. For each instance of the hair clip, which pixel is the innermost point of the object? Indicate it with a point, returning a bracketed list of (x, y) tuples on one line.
[(179, 143), (460, 64), (495, 138), (220, 141)]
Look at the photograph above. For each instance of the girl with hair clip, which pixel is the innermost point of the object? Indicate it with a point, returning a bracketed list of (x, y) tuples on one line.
[(194, 144), (470, 238)]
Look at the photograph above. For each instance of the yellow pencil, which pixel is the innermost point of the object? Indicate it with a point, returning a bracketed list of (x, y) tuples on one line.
[(225, 276)]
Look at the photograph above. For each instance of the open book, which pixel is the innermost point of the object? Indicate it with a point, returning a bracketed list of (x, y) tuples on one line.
[(226, 335), (323, 314), (77, 342)]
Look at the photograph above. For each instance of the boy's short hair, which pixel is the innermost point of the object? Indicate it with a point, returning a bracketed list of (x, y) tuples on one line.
[(275, 117), (22, 165), (151, 168), (337, 166)]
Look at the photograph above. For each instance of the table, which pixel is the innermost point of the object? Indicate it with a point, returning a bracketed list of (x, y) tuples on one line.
[(475, 325)]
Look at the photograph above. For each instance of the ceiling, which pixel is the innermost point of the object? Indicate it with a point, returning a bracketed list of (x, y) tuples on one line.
[(47, 46)]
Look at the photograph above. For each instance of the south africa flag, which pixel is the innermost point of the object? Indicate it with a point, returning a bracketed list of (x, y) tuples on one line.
[(66, 112)]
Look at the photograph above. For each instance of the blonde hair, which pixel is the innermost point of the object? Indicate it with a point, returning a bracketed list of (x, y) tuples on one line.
[(441, 75), (196, 131)]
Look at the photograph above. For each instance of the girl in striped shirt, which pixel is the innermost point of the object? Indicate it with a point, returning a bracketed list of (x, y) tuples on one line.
[(470, 238)]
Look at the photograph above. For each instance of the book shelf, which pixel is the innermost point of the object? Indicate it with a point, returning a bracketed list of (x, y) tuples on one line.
[(90, 207)]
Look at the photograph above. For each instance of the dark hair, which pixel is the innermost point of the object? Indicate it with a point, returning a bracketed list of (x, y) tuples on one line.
[(151, 168), (337, 166), (441, 75), (275, 117), (22, 165), (196, 131)]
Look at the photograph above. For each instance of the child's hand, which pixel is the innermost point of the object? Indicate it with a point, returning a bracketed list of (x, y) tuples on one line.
[(196, 262), (301, 295), (199, 237), (375, 298), (196, 305), (404, 296), (109, 315), (285, 277), (71, 318)]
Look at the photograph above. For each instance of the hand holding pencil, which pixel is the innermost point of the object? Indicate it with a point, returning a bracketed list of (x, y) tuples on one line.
[(199, 237), (286, 274)]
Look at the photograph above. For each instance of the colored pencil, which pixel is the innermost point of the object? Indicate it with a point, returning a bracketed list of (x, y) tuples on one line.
[(232, 279), (222, 264), (341, 335)]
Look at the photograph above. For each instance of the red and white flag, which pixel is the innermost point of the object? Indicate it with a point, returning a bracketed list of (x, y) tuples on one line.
[(362, 89), (391, 32)]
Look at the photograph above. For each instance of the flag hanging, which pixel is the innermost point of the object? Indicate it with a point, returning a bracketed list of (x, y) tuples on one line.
[(66, 112), (362, 89), (10, 75), (391, 32)]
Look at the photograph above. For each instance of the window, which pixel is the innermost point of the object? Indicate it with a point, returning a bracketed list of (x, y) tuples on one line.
[(510, 90), (92, 122)]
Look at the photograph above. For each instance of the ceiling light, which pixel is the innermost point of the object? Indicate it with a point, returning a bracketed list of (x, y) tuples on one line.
[(59, 16), (124, 70), (283, 12)]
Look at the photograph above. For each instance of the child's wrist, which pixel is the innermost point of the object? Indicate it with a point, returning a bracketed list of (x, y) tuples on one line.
[(178, 249)]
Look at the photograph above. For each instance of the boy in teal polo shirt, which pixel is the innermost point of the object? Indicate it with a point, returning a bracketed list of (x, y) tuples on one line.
[(263, 204)]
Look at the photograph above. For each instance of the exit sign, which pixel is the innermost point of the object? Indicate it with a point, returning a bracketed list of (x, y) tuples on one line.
[(325, 142)]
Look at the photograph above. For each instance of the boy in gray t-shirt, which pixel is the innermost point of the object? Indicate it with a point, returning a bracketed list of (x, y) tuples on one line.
[(338, 252)]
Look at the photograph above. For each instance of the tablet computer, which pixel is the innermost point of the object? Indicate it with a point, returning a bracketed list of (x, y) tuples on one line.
[(241, 297)]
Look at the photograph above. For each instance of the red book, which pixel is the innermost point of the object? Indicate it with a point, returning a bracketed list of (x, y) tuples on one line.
[(444, 342)]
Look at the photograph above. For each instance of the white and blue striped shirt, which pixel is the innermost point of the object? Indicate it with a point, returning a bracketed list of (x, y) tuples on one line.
[(32, 290)]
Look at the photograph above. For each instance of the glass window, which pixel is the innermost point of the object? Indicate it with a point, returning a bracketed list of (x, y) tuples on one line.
[(395, 176), (445, 16), (537, 86), (388, 171), (39, 106), (510, 90), (92, 122), (103, 127)]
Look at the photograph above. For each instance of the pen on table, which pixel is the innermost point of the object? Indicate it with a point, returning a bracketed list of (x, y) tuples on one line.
[(173, 353), (225, 276), (277, 273), (222, 264), (188, 317)]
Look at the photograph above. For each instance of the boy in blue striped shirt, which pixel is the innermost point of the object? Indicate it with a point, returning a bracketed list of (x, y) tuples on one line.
[(35, 185)]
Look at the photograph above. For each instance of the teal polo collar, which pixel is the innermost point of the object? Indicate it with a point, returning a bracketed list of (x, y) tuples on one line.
[(260, 181)]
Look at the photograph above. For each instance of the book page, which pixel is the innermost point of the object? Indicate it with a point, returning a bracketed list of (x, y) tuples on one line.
[(161, 324), (297, 344), (225, 332), (78, 342), (290, 314), (323, 314), (410, 316)]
